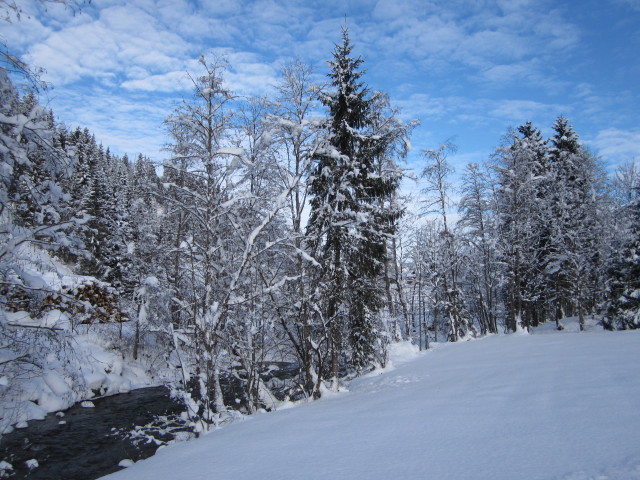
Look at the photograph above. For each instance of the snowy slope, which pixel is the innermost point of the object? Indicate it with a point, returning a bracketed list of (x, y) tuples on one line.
[(560, 406)]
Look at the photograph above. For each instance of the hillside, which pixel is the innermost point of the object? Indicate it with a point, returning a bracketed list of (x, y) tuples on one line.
[(543, 406)]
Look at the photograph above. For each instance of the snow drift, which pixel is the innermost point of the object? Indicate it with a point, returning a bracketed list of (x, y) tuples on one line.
[(560, 406)]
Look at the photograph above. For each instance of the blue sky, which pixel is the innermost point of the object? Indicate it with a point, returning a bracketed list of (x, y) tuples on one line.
[(467, 69)]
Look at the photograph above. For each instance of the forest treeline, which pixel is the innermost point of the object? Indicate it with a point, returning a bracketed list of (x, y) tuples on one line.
[(276, 231)]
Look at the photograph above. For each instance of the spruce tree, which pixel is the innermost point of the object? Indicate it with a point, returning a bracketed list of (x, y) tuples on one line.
[(519, 212), (624, 307), (575, 238), (34, 205), (348, 224), (534, 286)]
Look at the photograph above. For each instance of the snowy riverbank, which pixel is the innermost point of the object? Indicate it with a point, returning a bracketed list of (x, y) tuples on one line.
[(63, 356)]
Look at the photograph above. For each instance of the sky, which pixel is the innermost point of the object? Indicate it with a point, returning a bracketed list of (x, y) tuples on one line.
[(467, 69)]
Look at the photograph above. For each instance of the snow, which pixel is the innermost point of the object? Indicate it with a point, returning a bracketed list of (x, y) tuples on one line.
[(239, 152), (76, 363), (537, 406), (54, 319), (56, 383), (70, 375), (6, 469), (82, 368)]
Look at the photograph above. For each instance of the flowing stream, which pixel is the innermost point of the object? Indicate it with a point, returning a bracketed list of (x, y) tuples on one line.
[(87, 443)]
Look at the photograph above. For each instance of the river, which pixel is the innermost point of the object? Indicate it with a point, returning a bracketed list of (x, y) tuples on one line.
[(87, 443)]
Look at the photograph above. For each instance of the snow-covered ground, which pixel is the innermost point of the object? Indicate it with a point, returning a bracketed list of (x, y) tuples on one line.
[(66, 363), (550, 405), (77, 367)]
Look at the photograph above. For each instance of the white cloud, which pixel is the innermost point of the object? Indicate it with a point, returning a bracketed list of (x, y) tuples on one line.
[(617, 145), (503, 74), (248, 75), (633, 4), (462, 66), (500, 39), (477, 112), (274, 13), (425, 106), (166, 82), (127, 124), (222, 8), (521, 111), (317, 44), (615, 108), (85, 50), (18, 34), (488, 46), (201, 29), (390, 10), (118, 40)]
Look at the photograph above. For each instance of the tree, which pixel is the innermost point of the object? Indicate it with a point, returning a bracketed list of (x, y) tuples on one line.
[(419, 264), (446, 268), (225, 207), (477, 229), (348, 226), (623, 310), (34, 208), (35, 215), (626, 184), (520, 174), (394, 136), (197, 184), (574, 258), (99, 204), (296, 136)]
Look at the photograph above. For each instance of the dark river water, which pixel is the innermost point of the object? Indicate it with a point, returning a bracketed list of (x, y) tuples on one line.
[(91, 441)]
